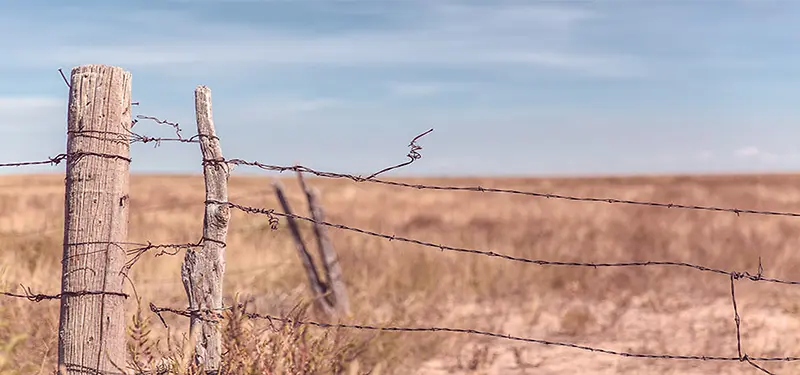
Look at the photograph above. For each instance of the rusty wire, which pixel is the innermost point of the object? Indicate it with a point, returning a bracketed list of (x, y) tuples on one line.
[(135, 254), (165, 249), (413, 155), (157, 140), (114, 137), (55, 160), (481, 189), (211, 315), (38, 297), (272, 216)]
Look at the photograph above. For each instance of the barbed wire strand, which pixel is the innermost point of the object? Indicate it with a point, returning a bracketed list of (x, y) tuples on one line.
[(271, 214), (55, 160), (737, 320), (415, 155), (135, 253), (133, 138), (205, 313), (481, 189), (38, 297), (165, 249)]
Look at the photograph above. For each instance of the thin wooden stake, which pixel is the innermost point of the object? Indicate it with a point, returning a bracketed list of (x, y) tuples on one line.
[(202, 271), (318, 288), (337, 296)]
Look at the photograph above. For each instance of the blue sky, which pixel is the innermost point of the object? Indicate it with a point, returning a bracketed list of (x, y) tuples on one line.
[(510, 87)]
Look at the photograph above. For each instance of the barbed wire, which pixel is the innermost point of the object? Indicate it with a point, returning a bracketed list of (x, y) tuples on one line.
[(131, 137), (413, 155), (157, 140), (272, 216), (212, 315), (38, 297), (54, 160), (135, 254), (165, 249), (481, 189)]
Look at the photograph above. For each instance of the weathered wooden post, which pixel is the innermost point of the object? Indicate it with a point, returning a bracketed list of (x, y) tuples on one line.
[(202, 270), (330, 294), (337, 290), (318, 288), (91, 334)]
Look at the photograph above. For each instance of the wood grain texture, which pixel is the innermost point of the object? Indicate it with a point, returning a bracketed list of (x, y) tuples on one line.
[(91, 335), (202, 271)]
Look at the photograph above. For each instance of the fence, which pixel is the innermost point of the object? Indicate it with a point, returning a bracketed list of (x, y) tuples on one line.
[(91, 336)]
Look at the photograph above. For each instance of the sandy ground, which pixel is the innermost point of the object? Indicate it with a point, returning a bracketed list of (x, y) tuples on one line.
[(646, 326)]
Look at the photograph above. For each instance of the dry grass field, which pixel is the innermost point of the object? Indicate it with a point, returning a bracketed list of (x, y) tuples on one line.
[(655, 310)]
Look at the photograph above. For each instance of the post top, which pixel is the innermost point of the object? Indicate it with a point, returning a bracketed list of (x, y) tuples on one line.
[(96, 68)]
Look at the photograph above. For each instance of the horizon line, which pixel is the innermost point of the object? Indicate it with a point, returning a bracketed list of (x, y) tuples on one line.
[(288, 174)]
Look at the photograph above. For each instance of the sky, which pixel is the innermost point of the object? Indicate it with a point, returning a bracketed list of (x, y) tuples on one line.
[(509, 87)]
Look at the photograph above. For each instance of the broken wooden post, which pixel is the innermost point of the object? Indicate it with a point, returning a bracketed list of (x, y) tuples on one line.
[(202, 270), (318, 288), (91, 333), (330, 294), (337, 296)]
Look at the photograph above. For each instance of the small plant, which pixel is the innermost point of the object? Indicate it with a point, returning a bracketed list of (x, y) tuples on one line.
[(478, 358), (141, 348)]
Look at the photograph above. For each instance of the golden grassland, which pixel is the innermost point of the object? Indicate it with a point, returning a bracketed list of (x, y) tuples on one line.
[(658, 310)]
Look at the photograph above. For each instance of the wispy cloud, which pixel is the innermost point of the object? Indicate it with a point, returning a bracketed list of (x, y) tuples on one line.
[(23, 114), (705, 155), (748, 152), (282, 109), (24, 104), (438, 34), (416, 88), (755, 153)]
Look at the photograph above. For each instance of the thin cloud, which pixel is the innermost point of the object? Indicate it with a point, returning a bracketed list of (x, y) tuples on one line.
[(282, 109), (755, 153), (748, 152), (415, 88), (438, 35), (705, 155), (23, 114), (21, 104)]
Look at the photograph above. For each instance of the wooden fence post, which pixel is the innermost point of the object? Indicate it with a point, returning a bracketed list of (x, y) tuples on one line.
[(330, 294), (203, 270), (337, 290), (318, 288), (91, 334)]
